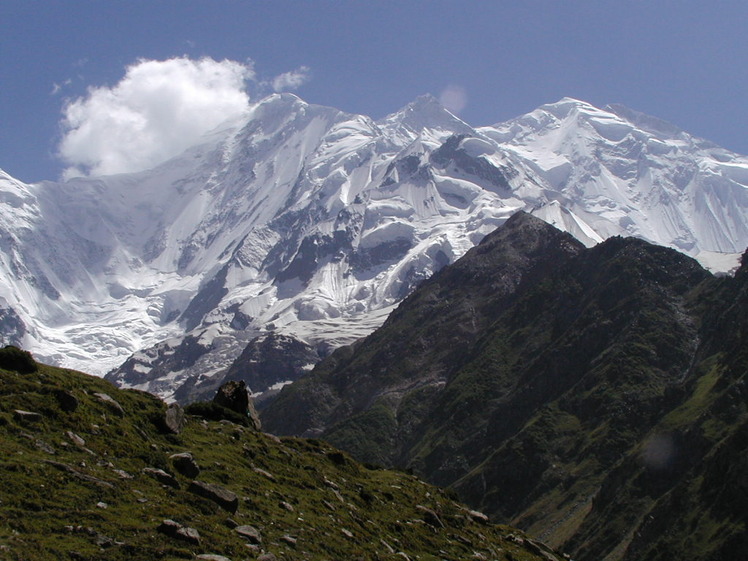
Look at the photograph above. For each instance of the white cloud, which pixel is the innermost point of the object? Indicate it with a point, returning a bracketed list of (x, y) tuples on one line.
[(453, 98), (291, 80), (57, 88), (156, 111)]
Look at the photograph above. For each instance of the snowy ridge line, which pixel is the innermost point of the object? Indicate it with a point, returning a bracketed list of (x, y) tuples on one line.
[(305, 220)]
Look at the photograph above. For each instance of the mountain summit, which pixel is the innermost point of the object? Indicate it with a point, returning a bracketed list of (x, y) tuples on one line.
[(315, 223)]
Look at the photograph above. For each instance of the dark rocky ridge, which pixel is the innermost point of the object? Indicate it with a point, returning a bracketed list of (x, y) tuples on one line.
[(590, 396)]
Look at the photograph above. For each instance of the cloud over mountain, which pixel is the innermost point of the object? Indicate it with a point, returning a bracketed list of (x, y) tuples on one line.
[(157, 110)]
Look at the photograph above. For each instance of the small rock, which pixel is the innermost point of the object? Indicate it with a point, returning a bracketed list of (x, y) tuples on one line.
[(478, 516), (44, 447), (273, 438), (67, 401), (264, 473), (176, 530), (174, 418), (122, 474), (27, 416), (250, 533), (287, 506), (103, 541), (223, 497), (82, 476), (290, 540), (102, 505), (231, 523), (430, 517), (111, 402), (212, 557), (267, 557), (161, 476), (75, 439), (347, 533), (185, 464)]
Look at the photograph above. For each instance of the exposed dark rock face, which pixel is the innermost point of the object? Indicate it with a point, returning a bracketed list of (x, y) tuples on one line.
[(578, 393), (271, 359)]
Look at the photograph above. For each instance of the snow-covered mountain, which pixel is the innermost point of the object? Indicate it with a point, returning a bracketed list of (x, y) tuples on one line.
[(311, 222)]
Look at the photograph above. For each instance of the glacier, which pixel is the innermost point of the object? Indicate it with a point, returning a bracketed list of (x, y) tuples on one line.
[(308, 221)]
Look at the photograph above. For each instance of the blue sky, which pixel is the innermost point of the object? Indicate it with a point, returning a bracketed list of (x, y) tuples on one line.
[(686, 62)]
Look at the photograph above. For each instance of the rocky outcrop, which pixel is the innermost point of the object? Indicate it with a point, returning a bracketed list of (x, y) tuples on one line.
[(174, 419), (234, 395)]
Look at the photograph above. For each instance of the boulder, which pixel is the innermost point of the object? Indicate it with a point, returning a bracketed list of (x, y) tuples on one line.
[(176, 530), (174, 418), (430, 517), (222, 497), (111, 402), (185, 464), (67, 401), (161, 476), (250, 533), (234, 395), (27, 416)]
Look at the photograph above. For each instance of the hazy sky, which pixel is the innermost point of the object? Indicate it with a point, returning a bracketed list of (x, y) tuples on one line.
[(78, 77)]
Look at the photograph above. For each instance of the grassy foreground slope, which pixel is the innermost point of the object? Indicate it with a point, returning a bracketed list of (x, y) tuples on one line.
[(73, 486)]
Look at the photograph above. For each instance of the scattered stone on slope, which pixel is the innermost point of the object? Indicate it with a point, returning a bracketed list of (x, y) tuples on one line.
[(430, 517), (75, 439), (27, 416), (174, 418), (211, 557), (250, 533), (110, 402), (161, 476), (264, 473), (185, 464), (66, 400), (234, 395), (78, 475), (222, 497), (290, 540), (44, 447), (478, 516), (176, 530)]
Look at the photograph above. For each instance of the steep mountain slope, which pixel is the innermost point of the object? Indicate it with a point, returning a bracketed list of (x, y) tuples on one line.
[(587, 395), (315, 223), (90, 473)]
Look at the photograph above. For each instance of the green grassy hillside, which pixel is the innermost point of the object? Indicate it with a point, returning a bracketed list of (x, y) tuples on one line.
[(79, 480)]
